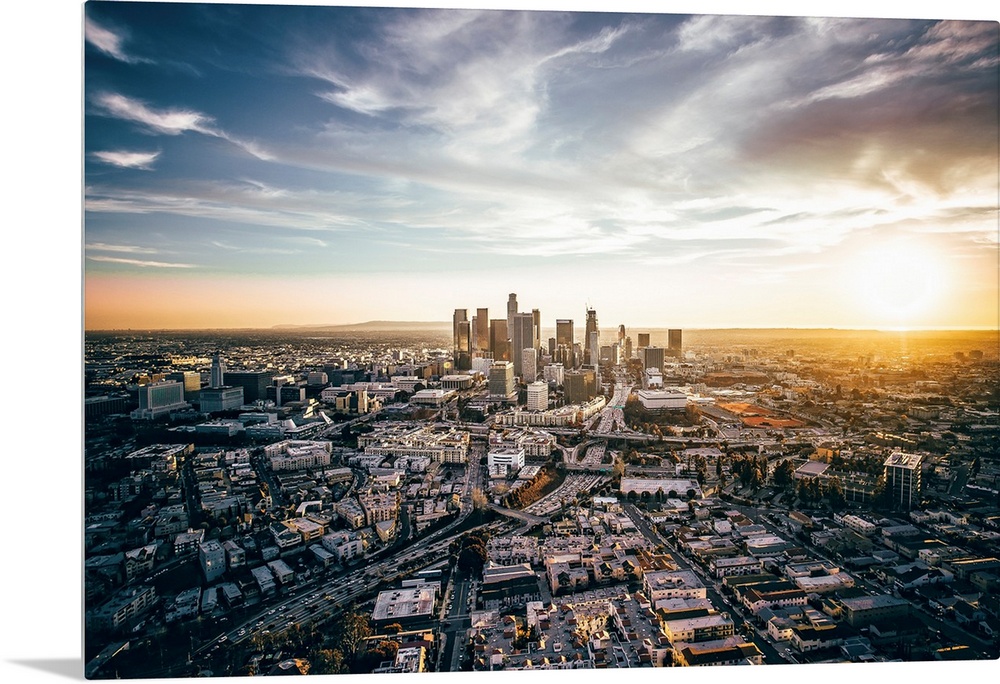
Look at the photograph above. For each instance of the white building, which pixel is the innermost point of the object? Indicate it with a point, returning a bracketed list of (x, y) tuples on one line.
[(538, 395), (512, 459), (554, 374), (662, 400), (212, 558)]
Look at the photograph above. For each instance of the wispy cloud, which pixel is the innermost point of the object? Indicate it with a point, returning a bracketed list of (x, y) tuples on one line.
[(170, 121), (139, 262), (127, 160), (107, 41), (127, 249)]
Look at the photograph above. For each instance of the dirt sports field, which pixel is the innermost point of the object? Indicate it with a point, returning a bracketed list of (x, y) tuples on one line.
[(753, 416)]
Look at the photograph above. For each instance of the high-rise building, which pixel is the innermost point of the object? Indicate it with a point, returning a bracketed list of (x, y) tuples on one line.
[(529, 365), (501, 380), (522, 336), (628, 348), (653, 357), (216, 378), (902, 479), (499, 340), (462, 333), (538, 396), (191, 381), (552, 347), (554, 374), (589, 333), (536, 322), (579, 385), (483, 329), (642, 340), (511, 309), (564, 332), (254, 383), (674, 342), (621, 334)]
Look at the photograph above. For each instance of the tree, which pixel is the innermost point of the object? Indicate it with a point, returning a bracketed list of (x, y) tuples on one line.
[(327, 661), (479, 500), (354, 629)]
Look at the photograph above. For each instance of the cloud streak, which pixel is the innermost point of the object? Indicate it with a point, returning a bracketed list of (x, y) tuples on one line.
[(127, 160), (139, 262)]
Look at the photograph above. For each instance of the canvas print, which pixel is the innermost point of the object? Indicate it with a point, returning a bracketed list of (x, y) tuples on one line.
[(440, 340)]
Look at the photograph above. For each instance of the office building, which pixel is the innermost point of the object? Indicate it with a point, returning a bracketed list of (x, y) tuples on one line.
[(580, 385), (482, 333), (564, 332), (501, 380), (529, 365), (462, 337), (621, 334), (510, 459), (499, 340), (538, 396), (554, 374), (521, 337), (191, 381), (591, 335), (536, 322), (674, 342), (643, 340), (511, 309), (217, 376), (653, 357), (217, 399), (902, 479), (254, 383), (159, 399)]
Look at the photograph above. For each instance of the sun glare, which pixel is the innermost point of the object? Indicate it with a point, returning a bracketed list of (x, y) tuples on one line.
[(899, 284)]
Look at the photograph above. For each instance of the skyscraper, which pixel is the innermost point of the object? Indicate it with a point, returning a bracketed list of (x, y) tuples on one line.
[(529, 365), (591, 335), (621, 334), (217, 377), (501, 380), (511, 309), (674, 342), (564, 331), (536, 322), (462, 332), (522, 336), (653, 357), (499, 340), (642, 340), (483, 329)]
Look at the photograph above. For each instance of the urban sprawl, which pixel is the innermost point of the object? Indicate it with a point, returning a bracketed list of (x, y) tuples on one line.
[(523, 494)]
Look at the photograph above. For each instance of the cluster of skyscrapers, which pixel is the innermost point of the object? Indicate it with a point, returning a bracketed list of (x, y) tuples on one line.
[(485, 344)]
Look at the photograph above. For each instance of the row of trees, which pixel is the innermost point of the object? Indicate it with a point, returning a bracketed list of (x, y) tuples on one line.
[(541, 484)]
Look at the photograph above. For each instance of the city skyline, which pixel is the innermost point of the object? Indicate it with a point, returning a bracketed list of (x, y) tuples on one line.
[(333, 165)]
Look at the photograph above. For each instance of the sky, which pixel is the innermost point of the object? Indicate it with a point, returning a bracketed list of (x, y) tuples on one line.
[(48, 118), (250, 166)]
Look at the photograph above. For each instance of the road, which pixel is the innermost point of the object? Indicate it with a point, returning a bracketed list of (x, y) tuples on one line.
[(721, 603)]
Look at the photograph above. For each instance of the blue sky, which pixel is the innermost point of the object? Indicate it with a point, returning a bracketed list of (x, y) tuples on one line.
[(259, 165)]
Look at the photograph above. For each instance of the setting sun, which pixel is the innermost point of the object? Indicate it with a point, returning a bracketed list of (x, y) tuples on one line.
[(899, 283)]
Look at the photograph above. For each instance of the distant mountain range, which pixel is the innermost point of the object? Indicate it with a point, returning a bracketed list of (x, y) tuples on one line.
[(370, 326)]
